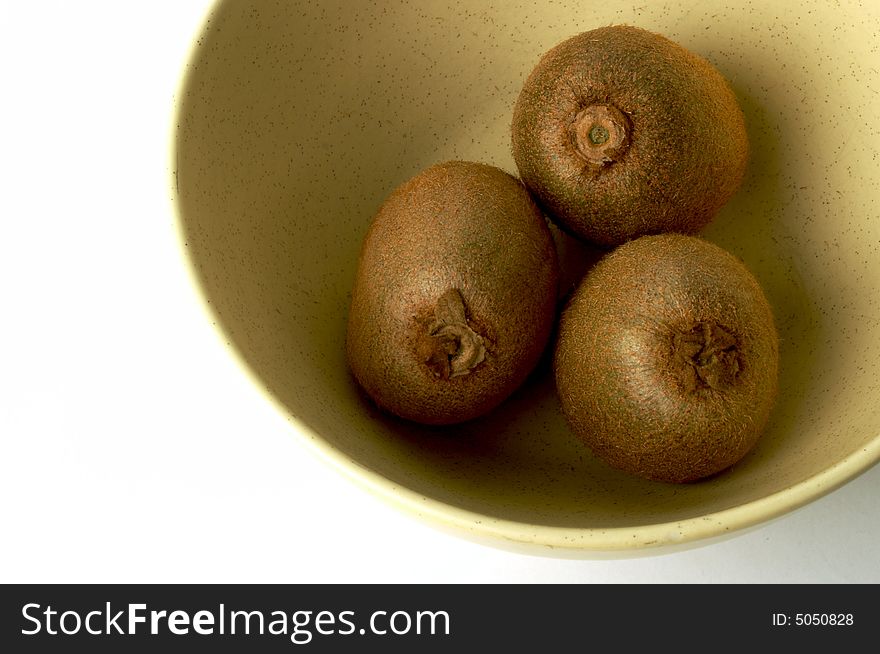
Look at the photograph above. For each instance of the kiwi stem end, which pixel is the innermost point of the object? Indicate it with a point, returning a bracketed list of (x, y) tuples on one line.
[(707, 356), (600, 134), (454, 348)]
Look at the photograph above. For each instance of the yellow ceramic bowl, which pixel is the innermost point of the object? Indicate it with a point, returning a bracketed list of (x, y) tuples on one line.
[(296, 119)]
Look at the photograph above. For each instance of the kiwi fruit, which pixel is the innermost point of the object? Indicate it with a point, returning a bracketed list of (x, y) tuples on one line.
[(667, 358), (620, 132), (454, 296)]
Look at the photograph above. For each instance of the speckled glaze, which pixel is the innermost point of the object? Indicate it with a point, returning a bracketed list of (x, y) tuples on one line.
[(295, 120)]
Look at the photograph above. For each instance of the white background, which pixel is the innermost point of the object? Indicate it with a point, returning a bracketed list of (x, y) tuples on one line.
[(134, 449)]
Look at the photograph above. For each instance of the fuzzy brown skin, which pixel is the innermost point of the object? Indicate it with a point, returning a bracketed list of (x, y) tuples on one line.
[(454, 298), (686, 147), (667, 359)]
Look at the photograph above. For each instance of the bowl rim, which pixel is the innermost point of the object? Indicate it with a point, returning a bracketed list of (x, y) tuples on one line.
[(501, 532)]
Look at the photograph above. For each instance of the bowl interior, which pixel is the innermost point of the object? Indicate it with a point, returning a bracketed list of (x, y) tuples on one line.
[(295, 120)]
